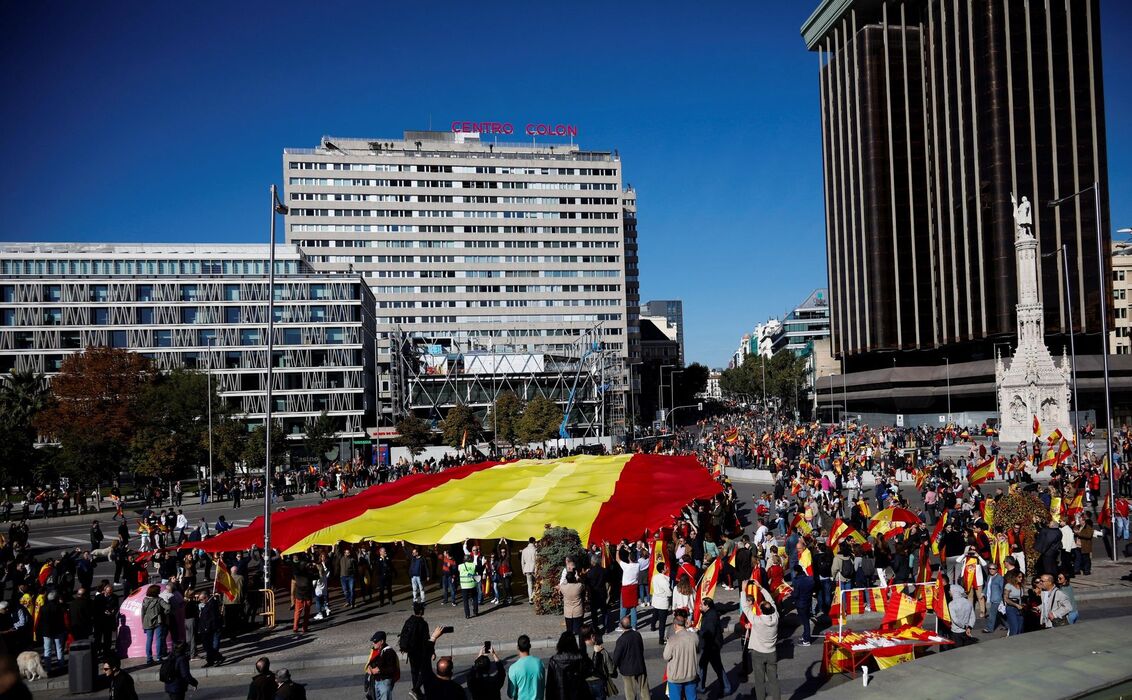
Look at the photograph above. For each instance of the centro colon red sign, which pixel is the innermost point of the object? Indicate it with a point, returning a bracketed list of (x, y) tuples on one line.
[(507, 128)]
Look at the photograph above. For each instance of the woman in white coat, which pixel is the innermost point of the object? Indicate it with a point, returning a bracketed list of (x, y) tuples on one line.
[(661, 600)]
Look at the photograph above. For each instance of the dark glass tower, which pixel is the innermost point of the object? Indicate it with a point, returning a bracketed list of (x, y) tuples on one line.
[(933, 113)]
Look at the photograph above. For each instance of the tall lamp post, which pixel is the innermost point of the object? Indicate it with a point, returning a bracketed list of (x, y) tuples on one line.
[(210, 495), (633, 400), (947, 362), (660, 390), (277, 207), (1063, 252), (672, 392), (1101, 276)]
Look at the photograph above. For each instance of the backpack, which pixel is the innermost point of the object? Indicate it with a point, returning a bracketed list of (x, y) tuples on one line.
[(847, 570), (168, 672)]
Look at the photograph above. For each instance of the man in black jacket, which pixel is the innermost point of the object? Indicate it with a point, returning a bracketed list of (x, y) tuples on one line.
[(263, 685), (209, 624), (711, 643), (105, 620), (1048, 546), (414, 642), (629, 658)]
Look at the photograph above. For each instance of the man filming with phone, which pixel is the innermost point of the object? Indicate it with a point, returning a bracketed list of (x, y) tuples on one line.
[(486, 678)]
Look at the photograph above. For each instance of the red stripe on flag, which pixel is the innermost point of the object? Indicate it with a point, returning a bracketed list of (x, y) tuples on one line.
[(646, 490)]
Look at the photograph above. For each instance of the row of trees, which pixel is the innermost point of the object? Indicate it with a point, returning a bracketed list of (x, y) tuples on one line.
[(108, 410), (512, 420), (785, 375)]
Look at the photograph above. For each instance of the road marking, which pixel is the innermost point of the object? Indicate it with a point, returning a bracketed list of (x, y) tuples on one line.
[(76, 540), (39, 543)]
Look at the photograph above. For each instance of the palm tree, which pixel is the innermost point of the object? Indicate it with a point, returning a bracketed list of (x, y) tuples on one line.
[(23, 394)]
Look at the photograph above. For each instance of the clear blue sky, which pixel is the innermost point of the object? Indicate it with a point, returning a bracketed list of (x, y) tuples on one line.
[(147, 121)]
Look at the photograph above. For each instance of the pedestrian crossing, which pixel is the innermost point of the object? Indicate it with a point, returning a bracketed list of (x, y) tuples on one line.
[(68, 541)]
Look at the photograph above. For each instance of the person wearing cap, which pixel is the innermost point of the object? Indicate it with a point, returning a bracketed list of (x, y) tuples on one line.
[(289, 689), (382, 670), (681, 658)]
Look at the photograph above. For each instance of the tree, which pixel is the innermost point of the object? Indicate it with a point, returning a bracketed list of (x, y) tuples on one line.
[(690, 382), (23, 395), (785, 374), (413, 433), (460, 427), (229, 442), (172, 436), (505, 415), (540, 420), (255, 449), (95, 409), (321, 437)]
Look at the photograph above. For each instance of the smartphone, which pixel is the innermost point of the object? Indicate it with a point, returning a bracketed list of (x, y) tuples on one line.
[(448, 630), (487, 647)]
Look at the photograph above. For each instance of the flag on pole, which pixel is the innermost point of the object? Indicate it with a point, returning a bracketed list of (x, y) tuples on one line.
[(732, 436), (799, 523), (939, 604), (706, 587), (1037, 428), (937, 532), (841, 531), (1076, 505), (1049, 461), (1055, 437), (982, 472), (224, 584), (901, 609)]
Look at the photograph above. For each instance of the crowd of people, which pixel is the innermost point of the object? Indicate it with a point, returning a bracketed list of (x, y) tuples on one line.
[(791, 553)]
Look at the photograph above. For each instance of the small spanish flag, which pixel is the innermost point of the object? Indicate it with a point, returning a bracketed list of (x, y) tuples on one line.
[(1037, 428), (901, 609), (939, 604), (224, 584), (732, 436), (982, 472)]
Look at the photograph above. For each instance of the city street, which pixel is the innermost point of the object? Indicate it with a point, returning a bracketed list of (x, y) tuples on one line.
[(329, 658)]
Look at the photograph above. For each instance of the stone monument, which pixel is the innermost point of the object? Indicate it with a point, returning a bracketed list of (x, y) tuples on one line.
[(1030, 385)]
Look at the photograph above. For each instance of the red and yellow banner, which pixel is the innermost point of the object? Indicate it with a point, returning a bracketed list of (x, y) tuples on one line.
[(603, 497)]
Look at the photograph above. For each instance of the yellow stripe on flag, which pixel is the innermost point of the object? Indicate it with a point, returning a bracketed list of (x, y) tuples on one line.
[(512, 501)]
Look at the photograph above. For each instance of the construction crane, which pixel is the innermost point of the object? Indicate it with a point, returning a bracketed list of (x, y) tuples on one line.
[(562, 432)]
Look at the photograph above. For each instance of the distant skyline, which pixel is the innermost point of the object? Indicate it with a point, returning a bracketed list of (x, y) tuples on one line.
[(142, 122)]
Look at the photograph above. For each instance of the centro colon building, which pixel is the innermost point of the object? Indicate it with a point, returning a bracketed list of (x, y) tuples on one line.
[(201, 307), (493, 266)]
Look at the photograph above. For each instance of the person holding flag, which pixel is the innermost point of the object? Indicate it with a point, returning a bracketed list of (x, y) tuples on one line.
[(758, 609)]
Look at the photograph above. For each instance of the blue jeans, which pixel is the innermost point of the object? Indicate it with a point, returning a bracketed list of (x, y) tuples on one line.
[(643, 593), (348, 589), (155, 640), (632, 613), (597, 689), (57, 643), (992, 616), (682, 691), (450, 587), (1013, 621), (418, 589), (803, 608), (825, 594), (321, 604), (1073, 617), (383, 690)]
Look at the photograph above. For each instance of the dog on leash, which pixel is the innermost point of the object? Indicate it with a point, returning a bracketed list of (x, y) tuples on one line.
[(31, 665)]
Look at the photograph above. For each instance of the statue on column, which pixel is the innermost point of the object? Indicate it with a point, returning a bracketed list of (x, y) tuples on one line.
[(1023, 222)]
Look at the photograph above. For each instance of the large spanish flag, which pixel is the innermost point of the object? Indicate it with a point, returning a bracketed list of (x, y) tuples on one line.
[(603, 497)]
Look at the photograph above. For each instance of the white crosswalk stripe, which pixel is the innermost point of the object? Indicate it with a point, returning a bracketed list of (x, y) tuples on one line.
[(76, 540)]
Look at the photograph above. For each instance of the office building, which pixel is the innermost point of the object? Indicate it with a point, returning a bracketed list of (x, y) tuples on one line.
[(806, 323), (658, 346), (672, 312), (1120, 335), (201, 307), (473, 245), (934, 114)]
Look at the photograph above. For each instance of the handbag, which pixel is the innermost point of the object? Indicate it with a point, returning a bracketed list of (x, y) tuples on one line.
[(1060, 621)]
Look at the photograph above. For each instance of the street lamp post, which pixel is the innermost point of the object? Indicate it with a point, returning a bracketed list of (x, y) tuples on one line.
[(1063, 252), (633, 399), (947, 362), (672, 391), (1101, 275), (660, 389), (277, 207), (210, 495), (763, 358)]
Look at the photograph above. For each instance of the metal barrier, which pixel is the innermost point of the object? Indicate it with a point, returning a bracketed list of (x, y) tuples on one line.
[(268, 606), (868, 596)]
